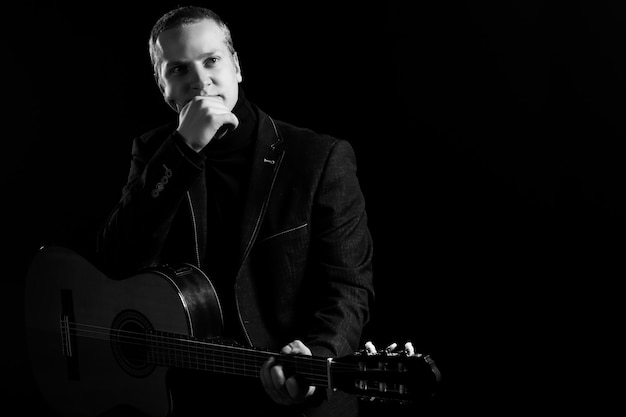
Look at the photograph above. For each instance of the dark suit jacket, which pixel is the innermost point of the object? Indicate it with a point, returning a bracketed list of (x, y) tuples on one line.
[(305, 249)]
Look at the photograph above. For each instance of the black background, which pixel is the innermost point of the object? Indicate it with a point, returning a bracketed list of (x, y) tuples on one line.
[(489, 140)]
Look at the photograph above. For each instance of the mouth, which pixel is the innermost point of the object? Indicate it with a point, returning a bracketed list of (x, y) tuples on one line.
[(205, 94)]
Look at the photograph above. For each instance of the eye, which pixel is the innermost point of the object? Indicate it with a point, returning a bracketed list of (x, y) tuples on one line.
[(176, 70), (211, 61)]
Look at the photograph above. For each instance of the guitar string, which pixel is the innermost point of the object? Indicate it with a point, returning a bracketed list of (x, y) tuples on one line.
[(239, 367), (372, 390), (177, 341), (313, 379), (175, 345)]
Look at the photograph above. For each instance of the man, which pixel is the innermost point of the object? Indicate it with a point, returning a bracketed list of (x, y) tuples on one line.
[(272, 213)]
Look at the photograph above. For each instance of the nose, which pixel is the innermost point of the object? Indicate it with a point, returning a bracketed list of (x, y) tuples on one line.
[(199, 77)]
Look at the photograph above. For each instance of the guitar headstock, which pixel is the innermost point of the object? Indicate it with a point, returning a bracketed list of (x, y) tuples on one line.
[(388, 375)]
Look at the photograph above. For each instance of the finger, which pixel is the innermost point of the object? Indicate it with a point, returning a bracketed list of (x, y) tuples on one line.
[(294, 389), (217, 101), (267, 381), (281, 395), (272, 379), (265, 373), (213, 108), (296, 348), (227, 123), (206, 104), (298, 391), (228, 119), (294, 386)]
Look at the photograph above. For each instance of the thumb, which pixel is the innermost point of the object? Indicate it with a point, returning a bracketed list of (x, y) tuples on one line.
[(296, 348), (229, 122)]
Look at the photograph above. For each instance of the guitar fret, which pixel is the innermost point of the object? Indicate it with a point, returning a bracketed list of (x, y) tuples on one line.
[(176, 355), (150, 356), (184, 355)]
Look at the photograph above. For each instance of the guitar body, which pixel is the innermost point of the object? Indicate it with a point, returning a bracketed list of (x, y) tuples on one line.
[(96, 344), (90, 375)]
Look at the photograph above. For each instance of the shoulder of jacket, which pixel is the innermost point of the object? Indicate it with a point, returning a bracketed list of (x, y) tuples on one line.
[(158, 134), (298, 136)]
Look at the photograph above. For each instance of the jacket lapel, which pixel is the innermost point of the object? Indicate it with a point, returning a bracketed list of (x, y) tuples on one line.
[(266, 162), (197, 206)]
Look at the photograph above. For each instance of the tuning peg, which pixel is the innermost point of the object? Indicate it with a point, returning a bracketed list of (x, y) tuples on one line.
[(370, 348), (390, 348), (409, 350)]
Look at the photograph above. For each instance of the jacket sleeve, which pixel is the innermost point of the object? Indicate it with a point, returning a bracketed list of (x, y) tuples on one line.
[(134, 233), (341, 264)]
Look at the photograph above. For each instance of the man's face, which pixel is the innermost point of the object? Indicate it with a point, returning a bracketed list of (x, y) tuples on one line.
[(197, 62)]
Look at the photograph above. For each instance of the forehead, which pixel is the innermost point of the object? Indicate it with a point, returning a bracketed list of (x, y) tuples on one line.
[(186, 41)]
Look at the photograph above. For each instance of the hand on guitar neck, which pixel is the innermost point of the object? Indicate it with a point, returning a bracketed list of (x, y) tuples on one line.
[(282, 389), (293, 390)]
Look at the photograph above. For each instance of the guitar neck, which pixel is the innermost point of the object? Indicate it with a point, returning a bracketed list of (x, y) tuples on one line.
[(217, 357)]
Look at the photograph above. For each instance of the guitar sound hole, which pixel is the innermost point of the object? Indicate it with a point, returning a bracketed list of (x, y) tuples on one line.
[(129, 341)]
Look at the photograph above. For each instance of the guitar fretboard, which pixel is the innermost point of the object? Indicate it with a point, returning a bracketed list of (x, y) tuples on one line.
[(218, 357), (181, 351)]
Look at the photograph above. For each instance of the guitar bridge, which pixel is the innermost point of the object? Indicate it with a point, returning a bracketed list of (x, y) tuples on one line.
[(68, 343)]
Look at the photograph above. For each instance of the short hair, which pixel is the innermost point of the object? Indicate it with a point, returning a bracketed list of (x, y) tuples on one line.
[(182, 16)]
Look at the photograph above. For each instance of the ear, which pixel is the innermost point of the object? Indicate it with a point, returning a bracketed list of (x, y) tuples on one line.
[(237, 67), (170, 102), (157, 80)]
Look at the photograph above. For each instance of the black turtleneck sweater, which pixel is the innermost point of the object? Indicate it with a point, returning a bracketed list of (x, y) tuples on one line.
[(227, 163), (227, 171)]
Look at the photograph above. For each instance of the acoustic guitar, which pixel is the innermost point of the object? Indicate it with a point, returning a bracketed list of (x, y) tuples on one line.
[(95, 343)]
